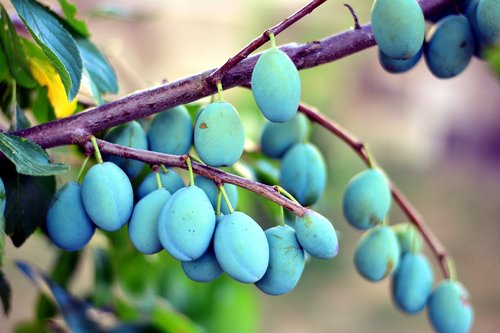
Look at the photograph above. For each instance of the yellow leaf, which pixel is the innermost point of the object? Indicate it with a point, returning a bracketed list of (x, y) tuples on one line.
[(46, 75)]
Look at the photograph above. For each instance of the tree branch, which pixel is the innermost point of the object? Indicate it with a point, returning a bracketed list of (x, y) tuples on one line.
[(73, 129), (217, 175), (411, 213)]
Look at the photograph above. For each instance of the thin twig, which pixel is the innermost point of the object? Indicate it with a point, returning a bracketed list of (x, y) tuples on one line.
[(354, 16), (411, 213), (179, 161), (218, 74)]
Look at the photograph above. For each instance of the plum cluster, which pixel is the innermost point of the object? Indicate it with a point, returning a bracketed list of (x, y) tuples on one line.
[(206, 234), (395, 251), (399, 29)]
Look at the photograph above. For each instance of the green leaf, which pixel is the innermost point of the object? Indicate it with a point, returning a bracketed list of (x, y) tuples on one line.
[(101, 76), (27, 201), (41, 108), (70, 11), (55, 41), (104, 276), (14, 52), (29, 158), (4, 66), (492, 56), (5, 293), (168, 320)]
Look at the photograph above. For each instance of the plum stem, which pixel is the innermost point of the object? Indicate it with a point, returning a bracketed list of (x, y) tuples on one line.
[(282, 217), (190, 169), (220, 91), (158, 180), (97, 152), (219, 199), (273, 40), (287, 194), (226, 198), (82, 168)]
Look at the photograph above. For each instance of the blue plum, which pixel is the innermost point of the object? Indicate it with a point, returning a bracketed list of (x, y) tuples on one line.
[(367, 199), (488, 20), (449, 309), (143, 225), (211, 190), (396, 66), (241, 247), (276, 85), (398, 27), (107, 196), (171, 181), (186, 224), (412, 283), (286, 261), (171, 131), (377, 253), (131, 135), (471, 15), (409, 239), (3, 196), (204, 269), (316, 235), (277, 138), (67, 222), (450, 46), (219, 137), (303, 173)]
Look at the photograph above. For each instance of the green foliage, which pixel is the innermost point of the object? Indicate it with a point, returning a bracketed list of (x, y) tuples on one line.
[(28, 157), (55, 41), (70, 11), (14, 52)]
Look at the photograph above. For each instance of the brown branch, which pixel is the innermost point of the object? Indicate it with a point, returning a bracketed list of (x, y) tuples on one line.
[(154, 158), (411, 213), (218, 74), (72, 130)]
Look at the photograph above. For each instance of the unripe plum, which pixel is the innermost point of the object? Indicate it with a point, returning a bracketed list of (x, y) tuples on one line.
[(131, 135), (67, 222), (286, 261), (316, 235), (171, 131), (219, 137), (143, 225), (409, 239), (241, 247), (303, 173), (367, 199), (412, 283), (398, 27), (108, 196), (377, 253), (450, 46), (276, 85), (277, 138), (171, 181), (186, 223), (449, 308), (488, 20), (396, 66)]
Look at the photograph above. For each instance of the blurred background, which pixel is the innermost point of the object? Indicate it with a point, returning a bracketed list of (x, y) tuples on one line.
[(438, 140)]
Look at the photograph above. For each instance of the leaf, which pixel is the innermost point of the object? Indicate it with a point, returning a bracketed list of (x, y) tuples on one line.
[(168, 320), (19, 120), (74, 311), (27, 201), (492, 56), (29, 158), (62, 271), (4, 66), (14, 53), (104, 276), (46, 76), (5, 293), (70, 11), (100, 74), (55, 41)]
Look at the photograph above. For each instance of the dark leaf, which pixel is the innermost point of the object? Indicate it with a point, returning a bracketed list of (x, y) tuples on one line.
[(29, 158), (74, 311), (27, 201), (4, 66), (70, 11), (14, 52), (18, 118), (56, 42), (5, 293)]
